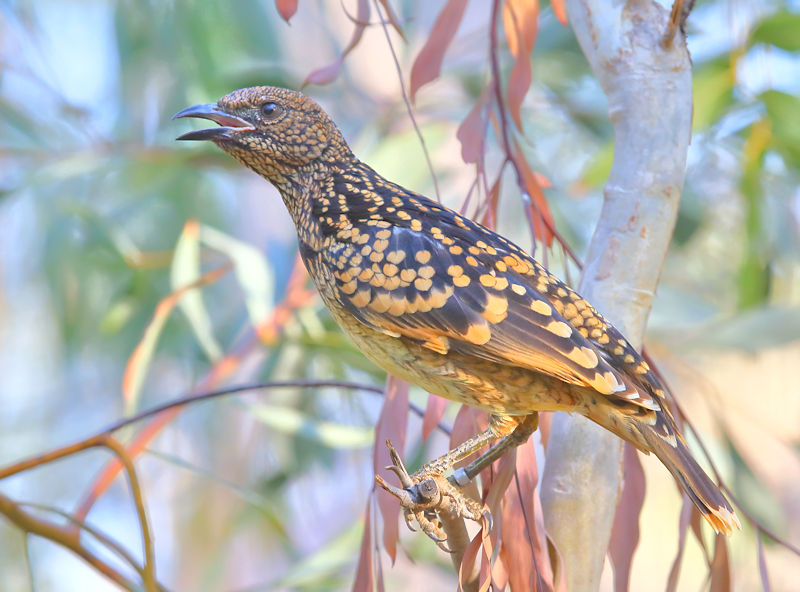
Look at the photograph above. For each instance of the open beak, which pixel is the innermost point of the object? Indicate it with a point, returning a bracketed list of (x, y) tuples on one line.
[(213, 112)]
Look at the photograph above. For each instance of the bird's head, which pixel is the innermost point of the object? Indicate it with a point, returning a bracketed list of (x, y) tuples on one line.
[(281, 134)]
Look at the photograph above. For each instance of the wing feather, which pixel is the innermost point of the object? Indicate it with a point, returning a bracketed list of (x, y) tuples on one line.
[(486, 298)]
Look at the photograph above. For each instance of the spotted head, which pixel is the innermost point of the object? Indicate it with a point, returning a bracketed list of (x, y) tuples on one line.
[(281, 134)]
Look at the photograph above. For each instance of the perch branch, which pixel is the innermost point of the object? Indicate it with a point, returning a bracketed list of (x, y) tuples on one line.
[(649, 96)]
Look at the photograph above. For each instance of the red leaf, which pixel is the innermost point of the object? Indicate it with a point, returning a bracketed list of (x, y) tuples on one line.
[(428, 63), (468, 422), (720, 566), (466, 425), (625, 531), (392, 17), (695, 522), (559, 10), (434, 412), (286, 8), (472, 131), (516, 548), (139, 361), (543, 181), (364, 576), (327, 73), (683, 527), (520, 21), (493, 199), (499, 573), (501, 476), (539, 216), (527, 481), (468, 559), (545, 419), (391, 425)]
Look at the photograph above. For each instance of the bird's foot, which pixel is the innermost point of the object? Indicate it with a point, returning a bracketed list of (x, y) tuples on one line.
[(427, 493)]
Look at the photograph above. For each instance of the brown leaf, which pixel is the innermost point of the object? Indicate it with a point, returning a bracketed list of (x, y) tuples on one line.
[(625, 531), (559, 10), (520, 21), (286, 8), (327, 73), (472, 131), (428, 63), (391, 425), (364, 576), (720, 566), (434, 412)]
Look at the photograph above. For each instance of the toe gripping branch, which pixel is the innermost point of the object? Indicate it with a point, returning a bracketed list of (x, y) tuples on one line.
[(426, 493)]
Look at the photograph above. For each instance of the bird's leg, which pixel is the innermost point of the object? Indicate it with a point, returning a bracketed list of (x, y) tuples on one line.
[(427, 491), (518, 436)]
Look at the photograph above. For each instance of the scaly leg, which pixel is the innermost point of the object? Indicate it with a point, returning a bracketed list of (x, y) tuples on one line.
[(427, 491)]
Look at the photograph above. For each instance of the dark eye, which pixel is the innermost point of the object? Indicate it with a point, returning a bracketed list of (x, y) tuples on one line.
[(270, 110)]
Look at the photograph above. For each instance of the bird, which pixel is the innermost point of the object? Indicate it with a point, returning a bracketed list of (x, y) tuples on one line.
[(445, 303)]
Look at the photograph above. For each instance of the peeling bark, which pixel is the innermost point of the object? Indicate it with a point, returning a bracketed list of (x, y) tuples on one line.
[(648, 84)]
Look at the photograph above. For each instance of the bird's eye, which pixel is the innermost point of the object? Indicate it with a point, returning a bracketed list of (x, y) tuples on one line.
[(270, 110)]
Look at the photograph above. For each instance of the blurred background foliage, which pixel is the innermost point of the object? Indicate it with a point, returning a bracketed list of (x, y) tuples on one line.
[(263, 492)]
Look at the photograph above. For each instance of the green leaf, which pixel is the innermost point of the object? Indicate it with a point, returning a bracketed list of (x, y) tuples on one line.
[(117, 316), (784, 112), (596, 173), (712, 92), (324, 563), (185, 270), (294, 423), (252, 272), (781, 29), (753, 330)]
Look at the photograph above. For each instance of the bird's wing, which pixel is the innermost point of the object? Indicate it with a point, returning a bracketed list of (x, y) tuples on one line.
[(476, 293)]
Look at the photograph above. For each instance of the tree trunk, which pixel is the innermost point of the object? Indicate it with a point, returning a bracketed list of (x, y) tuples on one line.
[(647, 79)]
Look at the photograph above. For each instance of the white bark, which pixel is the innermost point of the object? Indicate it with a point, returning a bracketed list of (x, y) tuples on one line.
[(649, 94)]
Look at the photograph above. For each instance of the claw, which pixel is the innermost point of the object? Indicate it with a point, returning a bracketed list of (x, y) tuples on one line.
[(444, 547), (407, 516), (487, 517)]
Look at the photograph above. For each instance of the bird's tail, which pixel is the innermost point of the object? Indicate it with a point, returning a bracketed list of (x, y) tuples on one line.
[(662, 439)]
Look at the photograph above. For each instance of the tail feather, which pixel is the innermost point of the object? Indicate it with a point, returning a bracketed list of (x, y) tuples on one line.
[(704, 493), (663, 439)]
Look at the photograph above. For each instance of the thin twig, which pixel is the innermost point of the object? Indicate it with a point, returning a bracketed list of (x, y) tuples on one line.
[(406, 100), (63, 537), (95, 440), (101, 537), (149, 575)]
